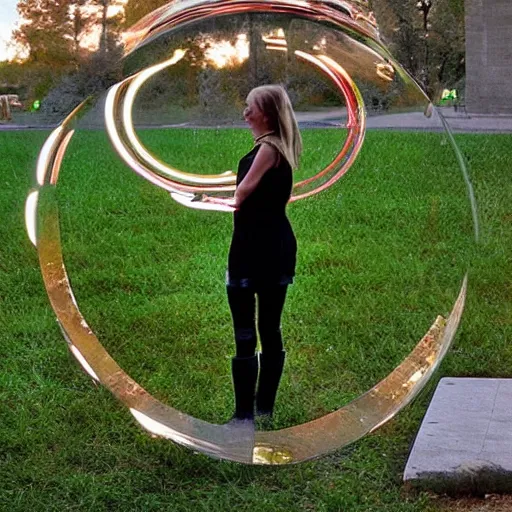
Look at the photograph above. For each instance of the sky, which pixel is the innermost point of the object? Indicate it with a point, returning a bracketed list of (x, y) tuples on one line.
[(8, 18)]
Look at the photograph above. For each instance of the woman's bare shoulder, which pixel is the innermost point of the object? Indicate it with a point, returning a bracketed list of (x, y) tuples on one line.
[(268, 145), (270, 150)]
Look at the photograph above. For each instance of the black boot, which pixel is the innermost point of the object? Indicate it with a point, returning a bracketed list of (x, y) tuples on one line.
[(271, 368), (245, 375)]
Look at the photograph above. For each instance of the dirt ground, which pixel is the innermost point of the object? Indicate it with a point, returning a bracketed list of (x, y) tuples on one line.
[(489, 503)]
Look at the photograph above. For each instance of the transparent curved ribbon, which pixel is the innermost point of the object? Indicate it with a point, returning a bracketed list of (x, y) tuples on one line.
[(181, 12), (291, 445), (119, 124), (189, 188)]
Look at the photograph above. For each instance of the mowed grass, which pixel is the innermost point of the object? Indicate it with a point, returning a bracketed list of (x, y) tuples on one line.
[(381, 253)]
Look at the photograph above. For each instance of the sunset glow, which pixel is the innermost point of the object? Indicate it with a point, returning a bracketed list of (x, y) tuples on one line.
[(90, 40), (9, 21), (223, 54)]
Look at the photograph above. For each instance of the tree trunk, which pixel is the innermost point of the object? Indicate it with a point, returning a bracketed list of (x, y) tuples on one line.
[(425, 9), (77, 29), (253, 52), (103, 39)]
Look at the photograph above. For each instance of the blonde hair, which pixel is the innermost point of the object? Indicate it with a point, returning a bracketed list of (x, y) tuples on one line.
[(275, 104)]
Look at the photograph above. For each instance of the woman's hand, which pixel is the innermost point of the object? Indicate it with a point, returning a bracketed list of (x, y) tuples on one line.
[(204, 202), (225, 201)]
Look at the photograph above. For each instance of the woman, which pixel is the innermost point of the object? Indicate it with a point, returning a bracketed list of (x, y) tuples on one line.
[(263, 249)]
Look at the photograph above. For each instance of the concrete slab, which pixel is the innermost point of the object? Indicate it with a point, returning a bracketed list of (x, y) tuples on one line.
[(464, 444)]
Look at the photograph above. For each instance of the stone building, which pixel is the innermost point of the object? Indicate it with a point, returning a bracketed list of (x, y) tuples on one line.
[(489, 56)]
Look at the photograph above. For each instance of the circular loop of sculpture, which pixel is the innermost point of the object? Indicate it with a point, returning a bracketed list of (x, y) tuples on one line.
[(119, 122), (290, 445)]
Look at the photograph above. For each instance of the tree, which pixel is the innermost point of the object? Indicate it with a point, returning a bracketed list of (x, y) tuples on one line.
[(54, 34), (136, 9), (110, 25), (52, 30), (80, 22), (95, 75), (447, 44), (425, 6), (46, 31), (426, 37)]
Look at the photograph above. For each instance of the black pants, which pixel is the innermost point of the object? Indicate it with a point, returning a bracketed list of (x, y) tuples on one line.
[(242, 302)]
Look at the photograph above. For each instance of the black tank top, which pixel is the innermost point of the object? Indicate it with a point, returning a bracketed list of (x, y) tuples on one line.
[(263, 248)]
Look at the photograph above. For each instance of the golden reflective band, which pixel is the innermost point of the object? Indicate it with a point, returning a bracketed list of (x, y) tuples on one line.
[(44, 154), (125, 152), (134, 142), (291, 445), (47, 169), (355, 110), (371, 410), (97, 362), (117, 133)]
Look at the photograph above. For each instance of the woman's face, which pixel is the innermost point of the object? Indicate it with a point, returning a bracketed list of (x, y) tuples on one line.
[(254, 117)]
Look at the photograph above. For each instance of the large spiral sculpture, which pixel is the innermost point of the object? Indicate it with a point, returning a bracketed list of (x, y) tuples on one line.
[(290, 445)]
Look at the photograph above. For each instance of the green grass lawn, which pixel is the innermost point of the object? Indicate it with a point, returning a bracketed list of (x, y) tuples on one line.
[(381, 253)]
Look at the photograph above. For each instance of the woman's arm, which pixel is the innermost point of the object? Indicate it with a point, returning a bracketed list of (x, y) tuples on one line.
[(226, 201), (265, 159)]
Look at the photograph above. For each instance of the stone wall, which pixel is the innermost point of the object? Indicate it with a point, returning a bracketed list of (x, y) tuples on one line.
[(489, 56)]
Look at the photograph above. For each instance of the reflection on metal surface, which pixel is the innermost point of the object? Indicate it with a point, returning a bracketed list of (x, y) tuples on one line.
[(85, 365), (356, 125), (271, 455), (385, 71), (277, 42), (168, 17), (30, 215), (232, 442), (342, 14), (47, 151), (119, 123), (133, 142), (369, 18)]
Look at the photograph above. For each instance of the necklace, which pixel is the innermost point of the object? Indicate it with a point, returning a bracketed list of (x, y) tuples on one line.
[(257, 139)]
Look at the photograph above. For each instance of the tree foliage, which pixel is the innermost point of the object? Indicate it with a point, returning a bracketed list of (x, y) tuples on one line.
[(52, 30), (137, 9), (427, 38), (110, 26), (96, 75), (57, 34), (46, 31)]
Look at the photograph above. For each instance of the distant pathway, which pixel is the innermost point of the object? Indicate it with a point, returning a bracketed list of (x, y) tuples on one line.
[(333, 118)]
